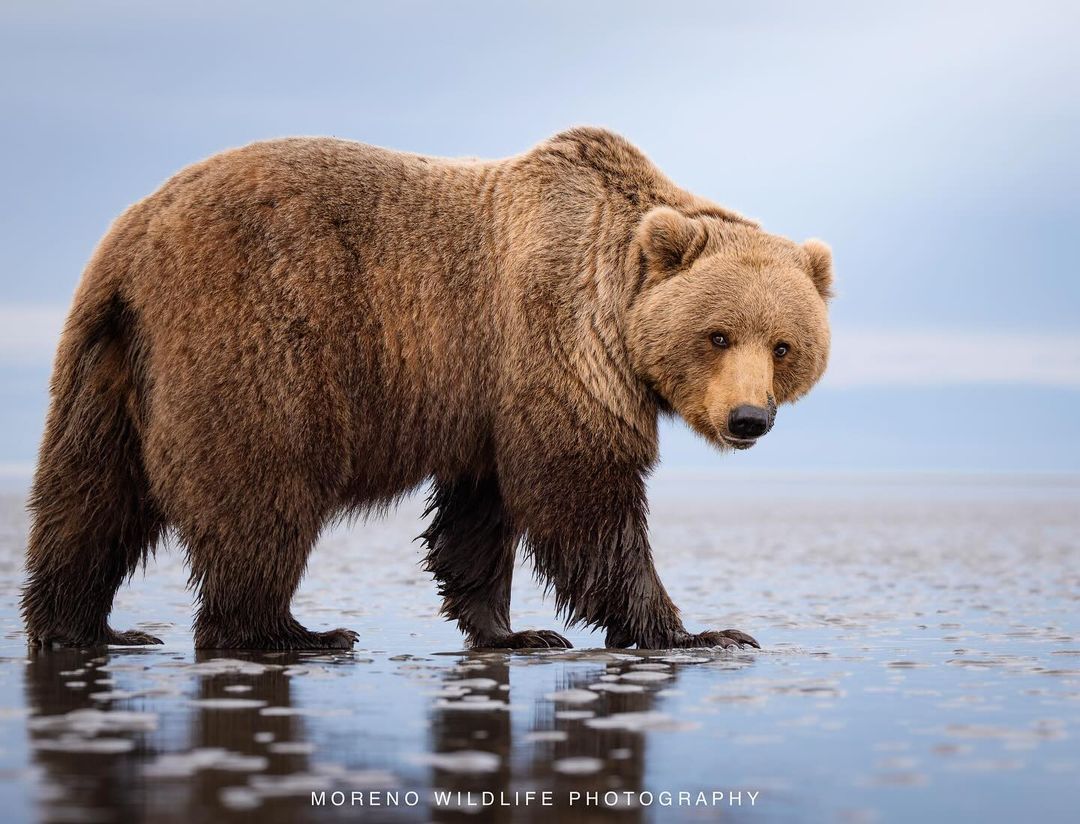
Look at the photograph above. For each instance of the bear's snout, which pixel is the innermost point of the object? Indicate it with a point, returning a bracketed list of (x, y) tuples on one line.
[(747, 422)]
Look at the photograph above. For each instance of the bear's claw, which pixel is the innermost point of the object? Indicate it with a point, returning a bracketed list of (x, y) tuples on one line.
[(728, 639), (110, 638), (337, 639), (131, 638), (528, 639)]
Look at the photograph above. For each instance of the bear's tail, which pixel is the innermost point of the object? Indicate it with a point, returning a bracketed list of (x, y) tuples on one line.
[(92, 517)]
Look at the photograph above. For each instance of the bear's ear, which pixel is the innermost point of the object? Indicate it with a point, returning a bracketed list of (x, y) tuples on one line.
[(670, 241), (819, 261)]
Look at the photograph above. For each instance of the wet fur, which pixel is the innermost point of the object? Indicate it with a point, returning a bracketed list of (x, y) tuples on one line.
[(306, 328)]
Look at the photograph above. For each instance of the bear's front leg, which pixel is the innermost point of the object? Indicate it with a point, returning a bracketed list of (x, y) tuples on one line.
[(594, 549), (471, 545)]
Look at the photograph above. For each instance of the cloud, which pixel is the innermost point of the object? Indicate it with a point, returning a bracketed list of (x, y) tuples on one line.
[(28, 337), (12, 471), (28, 334), (936, 358)]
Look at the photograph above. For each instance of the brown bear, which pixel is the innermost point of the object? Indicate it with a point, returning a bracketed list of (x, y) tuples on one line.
[(305, 328)]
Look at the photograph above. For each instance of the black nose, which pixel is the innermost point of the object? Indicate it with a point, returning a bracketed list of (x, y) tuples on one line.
[(748, 421)]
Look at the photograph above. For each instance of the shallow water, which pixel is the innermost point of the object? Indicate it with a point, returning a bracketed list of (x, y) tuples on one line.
[(921, 659)]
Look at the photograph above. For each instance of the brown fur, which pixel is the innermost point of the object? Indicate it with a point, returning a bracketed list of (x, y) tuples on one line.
[(305, 328)]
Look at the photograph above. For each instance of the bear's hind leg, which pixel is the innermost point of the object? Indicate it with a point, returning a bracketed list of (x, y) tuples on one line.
[(75, 565), (93, 522), (471, 554), (245, 581)]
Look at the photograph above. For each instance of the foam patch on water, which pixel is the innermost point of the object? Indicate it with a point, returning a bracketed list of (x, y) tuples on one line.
[(92, 746), (616, 687), (90, 722), (571, 696), (227, 703), (291, 748), (647, 676), (581, 765), (639, 721), (473, 684), (574, 715), (227, 666), (482, 705), (185, 765), (311, 712), (462, 761), (547, 735)]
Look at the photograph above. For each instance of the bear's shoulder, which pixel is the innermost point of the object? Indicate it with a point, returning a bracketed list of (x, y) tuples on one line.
[(593, 137), (596, 149)]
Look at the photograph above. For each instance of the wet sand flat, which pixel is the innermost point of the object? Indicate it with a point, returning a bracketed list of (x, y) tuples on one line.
[(921, 660)]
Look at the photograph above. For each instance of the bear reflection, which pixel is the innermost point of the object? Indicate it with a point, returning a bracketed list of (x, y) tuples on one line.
[(557, 735), (169, 772), (75, 785), (229, 717), (227, 738)]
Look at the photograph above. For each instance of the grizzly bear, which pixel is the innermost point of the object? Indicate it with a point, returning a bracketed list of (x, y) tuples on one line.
[(302, 329)]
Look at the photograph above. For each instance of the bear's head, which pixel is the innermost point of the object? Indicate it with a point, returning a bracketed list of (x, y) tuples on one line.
[(729, 322)]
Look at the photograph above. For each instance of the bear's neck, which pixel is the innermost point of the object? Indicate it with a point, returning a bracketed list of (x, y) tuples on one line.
[(571, 268)]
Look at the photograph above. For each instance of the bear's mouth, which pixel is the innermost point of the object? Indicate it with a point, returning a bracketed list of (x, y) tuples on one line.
[(737, 443)]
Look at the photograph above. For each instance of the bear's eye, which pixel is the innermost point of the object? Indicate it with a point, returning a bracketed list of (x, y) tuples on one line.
[(719, 340), (780, 349)]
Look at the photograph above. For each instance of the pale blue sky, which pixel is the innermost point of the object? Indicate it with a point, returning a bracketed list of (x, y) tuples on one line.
[(934, 145)]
